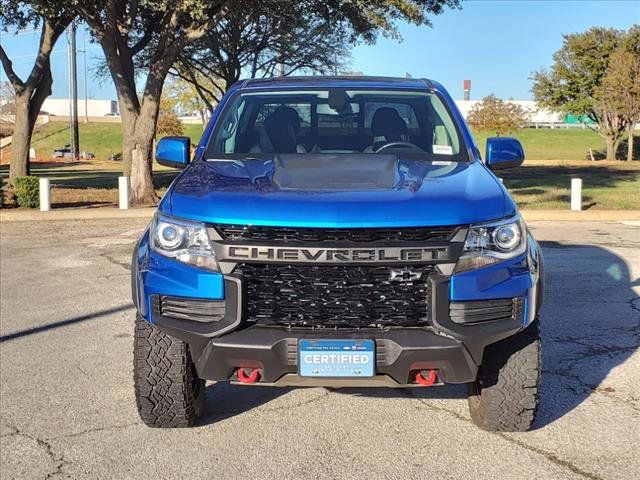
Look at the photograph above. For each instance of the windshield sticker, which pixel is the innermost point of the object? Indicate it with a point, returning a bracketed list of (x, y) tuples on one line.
[(442, 150), (437, 162)]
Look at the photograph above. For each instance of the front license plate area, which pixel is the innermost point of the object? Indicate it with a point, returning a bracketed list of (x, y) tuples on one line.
[(336, 358)]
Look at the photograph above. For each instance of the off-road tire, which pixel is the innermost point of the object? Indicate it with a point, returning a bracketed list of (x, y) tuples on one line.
[(504, 397), (168, 391)]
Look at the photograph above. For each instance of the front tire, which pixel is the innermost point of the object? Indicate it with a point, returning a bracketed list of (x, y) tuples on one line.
[(168, 391), (504, 397)]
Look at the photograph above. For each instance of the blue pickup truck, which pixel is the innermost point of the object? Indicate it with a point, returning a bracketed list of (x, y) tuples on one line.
[(338, 232)]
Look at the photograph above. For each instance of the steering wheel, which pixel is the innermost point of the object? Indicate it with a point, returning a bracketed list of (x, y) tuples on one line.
[(408, 145)]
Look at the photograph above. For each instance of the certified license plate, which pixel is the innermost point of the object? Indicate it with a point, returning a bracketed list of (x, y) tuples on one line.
[(336, 358)]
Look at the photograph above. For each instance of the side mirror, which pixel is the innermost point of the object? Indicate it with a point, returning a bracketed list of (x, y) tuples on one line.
[(173, 151), (504, 152)]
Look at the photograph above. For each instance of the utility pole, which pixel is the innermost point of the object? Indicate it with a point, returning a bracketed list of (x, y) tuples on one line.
[(86, 96), (75, 140)]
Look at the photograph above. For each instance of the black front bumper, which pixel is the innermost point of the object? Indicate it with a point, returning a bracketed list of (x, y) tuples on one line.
[(452, 349), (274, 351)]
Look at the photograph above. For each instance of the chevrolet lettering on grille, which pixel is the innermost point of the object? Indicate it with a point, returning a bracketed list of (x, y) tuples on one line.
[(329, 255)]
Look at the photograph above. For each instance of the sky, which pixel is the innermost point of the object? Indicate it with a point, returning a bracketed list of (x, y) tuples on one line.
[(496, 44)]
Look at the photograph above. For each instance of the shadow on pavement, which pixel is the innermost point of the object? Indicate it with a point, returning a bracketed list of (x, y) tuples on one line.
[(63, 323), (587, 330), (224, 400)]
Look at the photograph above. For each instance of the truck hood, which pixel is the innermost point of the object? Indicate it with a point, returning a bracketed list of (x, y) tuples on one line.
[(362, 190)]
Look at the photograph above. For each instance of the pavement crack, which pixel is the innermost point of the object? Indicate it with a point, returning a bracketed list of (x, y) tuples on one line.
[(118, 263), (94, 430), (583, 388), (57, 459), (300, 403), (592, 349), (549, 456)]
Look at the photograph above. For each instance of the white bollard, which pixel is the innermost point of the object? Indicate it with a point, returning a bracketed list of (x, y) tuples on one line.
[(576, 194), (45, 195), (123, 192)]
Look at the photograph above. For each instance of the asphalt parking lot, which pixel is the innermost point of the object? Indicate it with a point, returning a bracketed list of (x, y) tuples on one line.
[(66, 393)]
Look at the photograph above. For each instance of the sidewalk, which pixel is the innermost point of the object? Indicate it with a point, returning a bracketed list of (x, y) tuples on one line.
[(28, 215), (98, 213)]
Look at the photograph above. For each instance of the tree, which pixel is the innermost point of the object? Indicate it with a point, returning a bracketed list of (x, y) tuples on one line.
[(52, 18), (261, 43), (494, 115), (159, 30), (619, 93), (142, 40), (186, 98), (620, 88), (569, 87), (266, 38), (168, 122)]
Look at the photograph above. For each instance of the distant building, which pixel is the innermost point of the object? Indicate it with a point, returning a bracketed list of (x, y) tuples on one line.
[(539, 117), (96, 107)]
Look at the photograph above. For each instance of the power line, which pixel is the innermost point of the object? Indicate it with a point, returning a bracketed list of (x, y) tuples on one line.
[(26, 32), (33, 55)]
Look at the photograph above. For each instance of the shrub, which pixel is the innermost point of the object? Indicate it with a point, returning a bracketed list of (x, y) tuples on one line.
[(169, 124), (27, 191), (1, 192), (495, 115)]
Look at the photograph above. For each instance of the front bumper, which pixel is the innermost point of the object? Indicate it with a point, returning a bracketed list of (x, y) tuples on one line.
[(218, 349), (273, 351), (453, 350)]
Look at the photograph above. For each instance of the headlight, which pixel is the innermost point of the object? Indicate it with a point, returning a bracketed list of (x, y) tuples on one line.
[(489, 243), (184, 240)]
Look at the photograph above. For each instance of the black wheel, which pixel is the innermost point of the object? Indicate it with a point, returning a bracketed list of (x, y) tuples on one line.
[(504, 397), (168, 391)]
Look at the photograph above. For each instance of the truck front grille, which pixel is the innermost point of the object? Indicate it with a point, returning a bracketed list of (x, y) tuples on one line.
[(335, 296), (336, 236)]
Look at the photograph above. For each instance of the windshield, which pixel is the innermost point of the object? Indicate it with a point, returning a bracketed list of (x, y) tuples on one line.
[(336, 121)]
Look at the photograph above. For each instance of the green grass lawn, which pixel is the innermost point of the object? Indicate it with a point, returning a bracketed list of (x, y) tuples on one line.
[(101, 139), (560, 144), (105, 139), (546, 185), (553, 157)]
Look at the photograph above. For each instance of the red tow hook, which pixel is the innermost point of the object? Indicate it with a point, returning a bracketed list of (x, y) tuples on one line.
[(427, 381), (250, 378)]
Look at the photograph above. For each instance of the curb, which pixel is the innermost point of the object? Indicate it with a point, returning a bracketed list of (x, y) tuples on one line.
[(104, 213), (99, 213), (581, 216)]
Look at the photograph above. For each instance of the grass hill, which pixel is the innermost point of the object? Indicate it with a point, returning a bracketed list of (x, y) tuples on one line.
[(105, 139)]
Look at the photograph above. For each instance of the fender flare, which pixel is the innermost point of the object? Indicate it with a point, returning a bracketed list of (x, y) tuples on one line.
[(135, 297)]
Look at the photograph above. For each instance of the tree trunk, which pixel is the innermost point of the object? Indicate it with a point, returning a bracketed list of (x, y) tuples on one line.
[(21, 139), (142, 191), (31, 94), (138, 130), (129, 114), (630, 142), (612, 147)]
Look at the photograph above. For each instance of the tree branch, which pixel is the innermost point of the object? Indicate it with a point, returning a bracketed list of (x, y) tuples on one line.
[(50, 33), (8, 68)]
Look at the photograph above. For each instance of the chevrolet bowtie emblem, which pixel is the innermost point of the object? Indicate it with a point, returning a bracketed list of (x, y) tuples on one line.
[(404, 275)]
